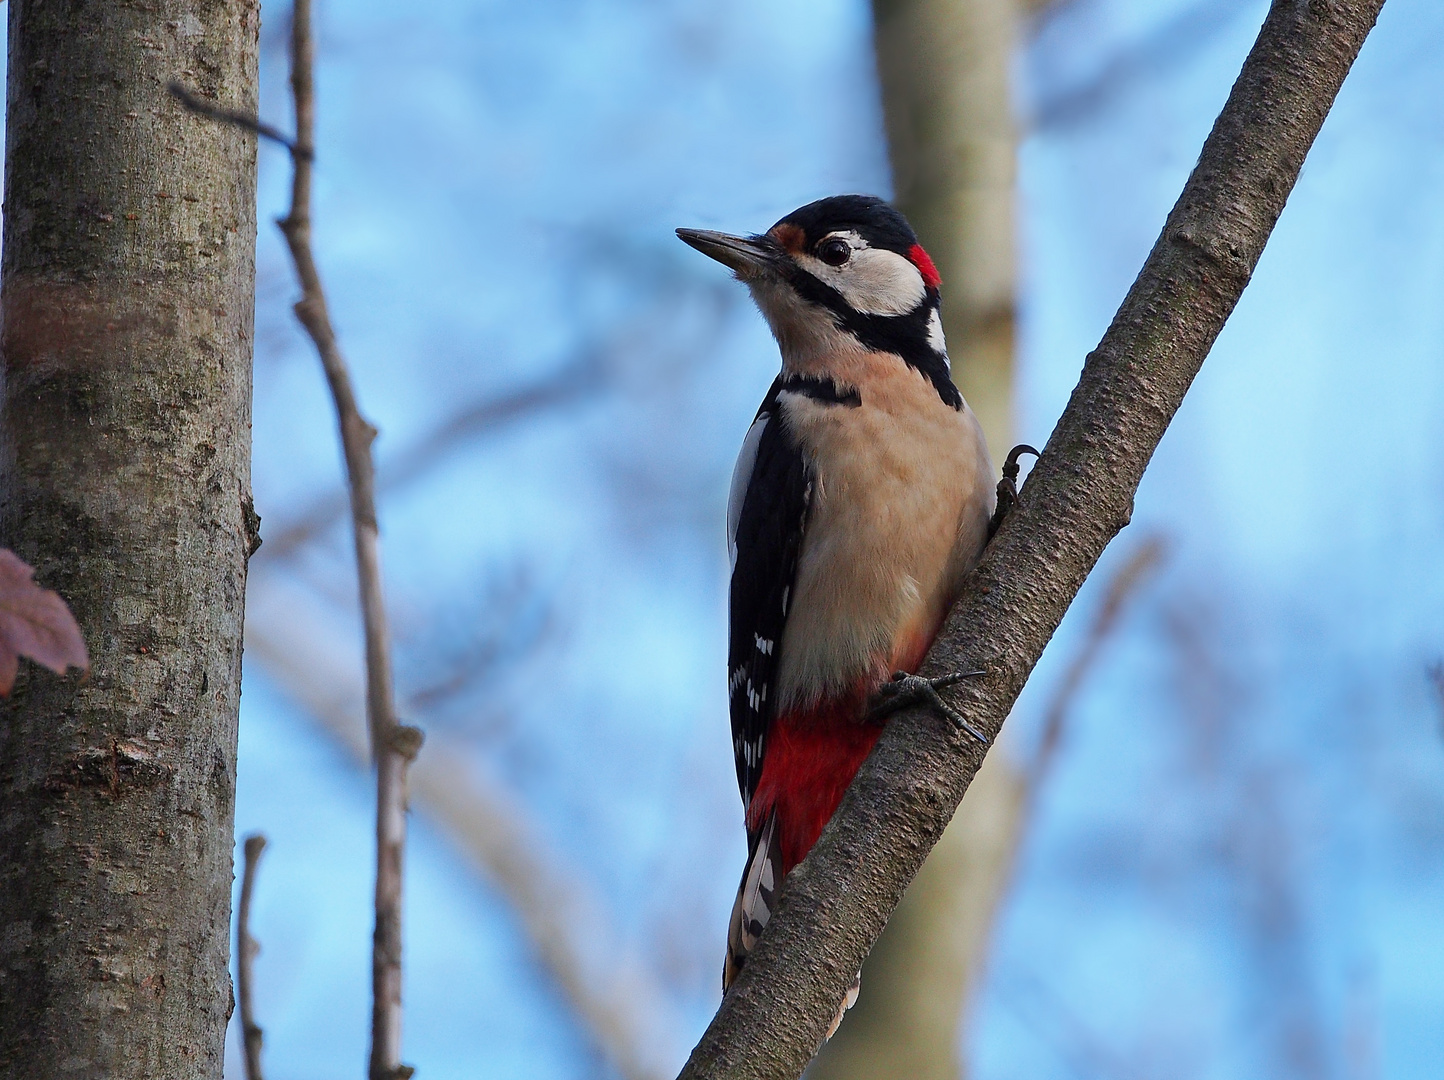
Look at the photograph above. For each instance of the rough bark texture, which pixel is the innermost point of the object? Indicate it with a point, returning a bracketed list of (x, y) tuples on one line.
[(943, 68), (1077, 498), (128, 278)]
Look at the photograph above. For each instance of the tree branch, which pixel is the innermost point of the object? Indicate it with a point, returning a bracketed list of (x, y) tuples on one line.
[(1077, 498), (392, 744), (234, 117), (1125, 582), (246, 949), (575, 381)]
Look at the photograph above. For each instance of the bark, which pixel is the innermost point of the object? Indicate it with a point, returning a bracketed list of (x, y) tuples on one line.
[(943, 71), (127, 291), (1078, 497)]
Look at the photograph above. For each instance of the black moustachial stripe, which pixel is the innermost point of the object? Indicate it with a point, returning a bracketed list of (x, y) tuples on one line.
[(903, 335)]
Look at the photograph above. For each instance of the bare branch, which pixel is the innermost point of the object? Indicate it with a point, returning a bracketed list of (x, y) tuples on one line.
[(392, 745), (1077, 498), (1161, 50), (1121, 587), (246, 950), (234, 118), (618, 1004), (576, 380), (1435, 671)]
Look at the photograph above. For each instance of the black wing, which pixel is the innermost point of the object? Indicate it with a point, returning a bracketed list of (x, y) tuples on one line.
[(767, 515)]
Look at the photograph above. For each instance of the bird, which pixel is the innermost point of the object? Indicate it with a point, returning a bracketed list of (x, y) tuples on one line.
[(862, 496)]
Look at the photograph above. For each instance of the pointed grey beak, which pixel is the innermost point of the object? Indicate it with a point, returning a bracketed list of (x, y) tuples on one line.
[(746, 256)]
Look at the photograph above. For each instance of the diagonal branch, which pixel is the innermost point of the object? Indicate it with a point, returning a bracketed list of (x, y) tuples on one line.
[(1125, 582), (234, 117), (1079, 495)]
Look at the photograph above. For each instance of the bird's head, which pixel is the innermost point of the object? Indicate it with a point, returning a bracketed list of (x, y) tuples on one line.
[(840, 275)]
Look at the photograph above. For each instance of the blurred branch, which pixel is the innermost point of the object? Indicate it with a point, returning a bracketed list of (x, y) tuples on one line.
[(575, 381), (1041, 1009), (1122, 586), (502, 630), (1125, 582), (1037, 14), (1157, 52), (1435, 671), (1077, 498), (235, 119), (246, 950), (616, 1002)]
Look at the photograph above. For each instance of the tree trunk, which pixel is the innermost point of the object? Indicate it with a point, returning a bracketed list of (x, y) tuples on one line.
[(127, 288), (943, 69)]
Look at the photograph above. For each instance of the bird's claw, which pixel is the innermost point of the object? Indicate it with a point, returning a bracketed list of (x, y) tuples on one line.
[(906, 689), (1008, 486)]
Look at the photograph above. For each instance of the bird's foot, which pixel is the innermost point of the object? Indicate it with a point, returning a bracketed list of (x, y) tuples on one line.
[(905, 690), (1008, 486)]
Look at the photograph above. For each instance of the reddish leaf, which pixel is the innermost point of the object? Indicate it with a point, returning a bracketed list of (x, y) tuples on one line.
[(34, 622)]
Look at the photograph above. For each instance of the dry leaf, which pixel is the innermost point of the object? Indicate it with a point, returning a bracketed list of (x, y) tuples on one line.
[(34, 622)]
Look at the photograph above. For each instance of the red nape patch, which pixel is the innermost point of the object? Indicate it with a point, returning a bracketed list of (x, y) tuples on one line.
[(924, 263), (811, 758)]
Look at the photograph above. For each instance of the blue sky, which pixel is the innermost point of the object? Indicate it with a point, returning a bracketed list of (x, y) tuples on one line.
[(1237, 868)]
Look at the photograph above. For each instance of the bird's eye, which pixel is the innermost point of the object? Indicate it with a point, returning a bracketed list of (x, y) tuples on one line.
[(834, 252)]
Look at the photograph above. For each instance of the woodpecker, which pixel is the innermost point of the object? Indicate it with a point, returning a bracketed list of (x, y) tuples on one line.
[(862, 496)]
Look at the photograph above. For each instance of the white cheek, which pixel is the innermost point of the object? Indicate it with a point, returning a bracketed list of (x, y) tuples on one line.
[(874, 281), (935, 333)]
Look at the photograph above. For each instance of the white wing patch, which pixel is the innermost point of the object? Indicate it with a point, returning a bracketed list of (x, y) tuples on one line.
[(741, 477), (935, 333)]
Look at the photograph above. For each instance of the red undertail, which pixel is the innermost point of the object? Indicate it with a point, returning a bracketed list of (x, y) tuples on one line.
[(811, 758), (813, 754)]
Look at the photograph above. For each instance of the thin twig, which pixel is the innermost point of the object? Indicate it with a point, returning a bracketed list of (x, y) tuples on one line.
[(393, 745), (616, 1001), (246, 950), (234, 118)]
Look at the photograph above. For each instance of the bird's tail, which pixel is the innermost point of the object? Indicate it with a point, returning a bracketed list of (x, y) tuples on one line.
[(756, 897), (756, 900)]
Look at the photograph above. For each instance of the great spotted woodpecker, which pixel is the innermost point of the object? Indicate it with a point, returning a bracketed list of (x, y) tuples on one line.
[(862, 496)]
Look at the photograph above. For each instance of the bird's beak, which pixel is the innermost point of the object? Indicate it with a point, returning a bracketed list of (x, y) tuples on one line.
[(748, 257)]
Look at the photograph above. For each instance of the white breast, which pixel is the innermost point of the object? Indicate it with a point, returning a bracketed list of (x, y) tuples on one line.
[(902, 497)]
